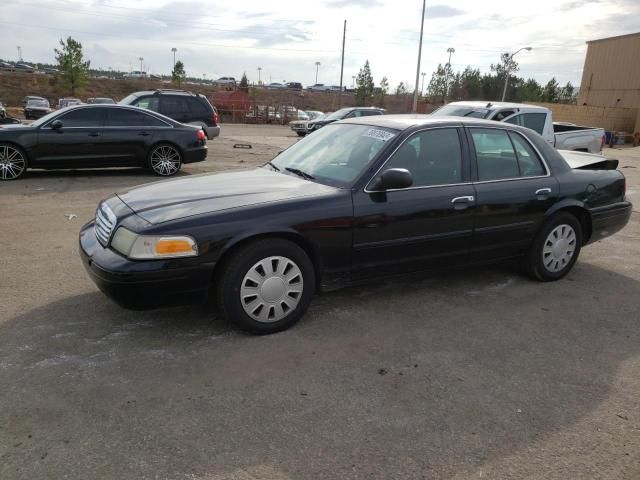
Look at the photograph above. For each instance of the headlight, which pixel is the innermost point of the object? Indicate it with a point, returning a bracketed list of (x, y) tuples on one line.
[(145, 247)]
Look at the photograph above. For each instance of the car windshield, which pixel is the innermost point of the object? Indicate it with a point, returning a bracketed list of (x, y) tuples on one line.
[(338, 114), (128, 100), (38, 103), (334, 155), (460, 111), (103, 100)]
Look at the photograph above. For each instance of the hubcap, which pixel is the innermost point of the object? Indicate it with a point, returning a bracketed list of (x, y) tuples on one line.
[(12, 163), (559, 248), (165, 160), (271, 289)]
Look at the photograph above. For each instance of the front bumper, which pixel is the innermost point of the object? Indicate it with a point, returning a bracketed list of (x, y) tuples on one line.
[(141, 285)]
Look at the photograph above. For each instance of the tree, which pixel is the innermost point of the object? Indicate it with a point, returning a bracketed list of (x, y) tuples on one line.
[(507, 63), (551, 91), (381, 91), (470, 84), (401, 89), (567, 94), (74, 70), (244, 83), (178, 74), (364, 85), (439, 83)]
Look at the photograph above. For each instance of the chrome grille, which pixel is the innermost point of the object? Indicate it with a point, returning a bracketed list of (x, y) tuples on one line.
[(105, 221)]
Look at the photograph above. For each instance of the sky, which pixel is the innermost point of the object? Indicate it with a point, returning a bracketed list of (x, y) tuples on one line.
[(287, 38)]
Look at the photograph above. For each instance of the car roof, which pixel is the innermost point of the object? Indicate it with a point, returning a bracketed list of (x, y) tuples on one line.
[(406, 121), (167, 91), (495, 105)]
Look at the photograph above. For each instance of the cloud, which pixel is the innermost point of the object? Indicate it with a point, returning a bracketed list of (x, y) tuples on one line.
[(354, 3), (574, 4), (442, 11)]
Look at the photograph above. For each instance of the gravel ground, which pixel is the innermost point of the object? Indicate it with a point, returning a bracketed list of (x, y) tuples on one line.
[(465, 374)]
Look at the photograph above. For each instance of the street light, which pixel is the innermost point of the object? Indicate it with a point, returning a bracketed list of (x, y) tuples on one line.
[(450, 51), (174, 50), (422, 88), (317, 67), (141, 60), (506, 69), (259, 75), (354, 81)]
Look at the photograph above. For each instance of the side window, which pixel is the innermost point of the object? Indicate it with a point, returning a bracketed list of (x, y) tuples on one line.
[(123, 117), (368, 113), (495, 155), (352, 114), (83, 117), (174, 106), (434, 157), (530, 164), (534, 121), (150, 103), (198, 108), (502, 114)]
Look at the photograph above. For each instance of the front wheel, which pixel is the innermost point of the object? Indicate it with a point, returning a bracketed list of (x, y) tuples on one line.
[(266, 286), (165, 160), (13, 162), (555, 248)]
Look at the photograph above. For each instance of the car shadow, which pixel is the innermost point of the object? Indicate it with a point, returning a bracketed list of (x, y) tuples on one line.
[(420, 377)]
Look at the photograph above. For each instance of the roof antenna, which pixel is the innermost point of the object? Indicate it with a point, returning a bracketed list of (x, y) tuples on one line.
[(489, 105)]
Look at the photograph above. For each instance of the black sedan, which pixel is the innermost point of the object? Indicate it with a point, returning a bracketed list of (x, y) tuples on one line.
[(359, 199), (97, 136)]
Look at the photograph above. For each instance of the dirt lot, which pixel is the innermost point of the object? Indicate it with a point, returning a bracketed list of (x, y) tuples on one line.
[(459, 375)]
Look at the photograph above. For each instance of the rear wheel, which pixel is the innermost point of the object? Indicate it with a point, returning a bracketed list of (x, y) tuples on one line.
[(555, 249), (165, 160), (301, 134), (266, 286), (13, 162)]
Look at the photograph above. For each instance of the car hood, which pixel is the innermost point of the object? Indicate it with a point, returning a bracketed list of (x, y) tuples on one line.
[(200, 194)]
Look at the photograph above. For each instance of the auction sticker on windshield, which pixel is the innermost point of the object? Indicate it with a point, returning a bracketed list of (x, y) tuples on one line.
[(379, 134)]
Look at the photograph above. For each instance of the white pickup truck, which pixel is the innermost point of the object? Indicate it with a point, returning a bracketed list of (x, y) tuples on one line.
[(563, 136)]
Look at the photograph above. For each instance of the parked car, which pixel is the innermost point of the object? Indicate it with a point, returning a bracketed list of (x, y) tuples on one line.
[(294, 85), (300, 125), (99, 136), (560, 135), (68, 102), (225, 82), (24, 67), (351, 112), (36, 109), (3, 110), (319, 87), (101, 101), (7, 67), (360, 199), (135, 74), (313, 114), (275, 86), (26, 99), (181, 105)]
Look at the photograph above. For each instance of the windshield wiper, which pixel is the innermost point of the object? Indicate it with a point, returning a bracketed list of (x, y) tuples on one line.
[(300, 173), (272, 165)]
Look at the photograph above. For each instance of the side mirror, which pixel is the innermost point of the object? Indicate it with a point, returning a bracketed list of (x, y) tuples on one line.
[(56, 125), (393, 179)]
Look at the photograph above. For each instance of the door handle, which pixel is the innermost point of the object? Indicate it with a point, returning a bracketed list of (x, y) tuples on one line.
[(462, 203), (543, 193), (144, 134), (94, 134), (462, 199)]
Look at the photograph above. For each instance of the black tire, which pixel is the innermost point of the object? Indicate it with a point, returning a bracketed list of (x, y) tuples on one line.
[(235, 271), (12, 167), (549, 266), (168, 167), (301, 134)]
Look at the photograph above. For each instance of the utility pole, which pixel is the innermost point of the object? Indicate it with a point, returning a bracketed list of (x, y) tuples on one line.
[(450, 50), (19, 53), (507, 72), (344, 36), (141, 60), (317, 66), (415, 91), (174, 50), (422, 87), (259, 75)]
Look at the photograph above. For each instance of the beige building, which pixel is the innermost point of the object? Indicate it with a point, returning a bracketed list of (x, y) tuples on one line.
[(611, 75)]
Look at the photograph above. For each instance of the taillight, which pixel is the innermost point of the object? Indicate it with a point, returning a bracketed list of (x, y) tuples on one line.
[(215, 117), (201, 136)]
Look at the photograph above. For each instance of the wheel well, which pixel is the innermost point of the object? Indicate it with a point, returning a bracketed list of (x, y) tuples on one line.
[(584, 218), (15, 145), (299, 241), (165, 142), (586, 150)]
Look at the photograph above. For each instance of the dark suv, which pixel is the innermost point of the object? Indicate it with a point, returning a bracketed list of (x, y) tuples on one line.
[(182, 106), (341, 114)]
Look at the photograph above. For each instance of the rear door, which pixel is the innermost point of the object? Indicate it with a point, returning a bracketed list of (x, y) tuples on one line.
[(176, 107), (128, 134), (513, 189), (78, 144)]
